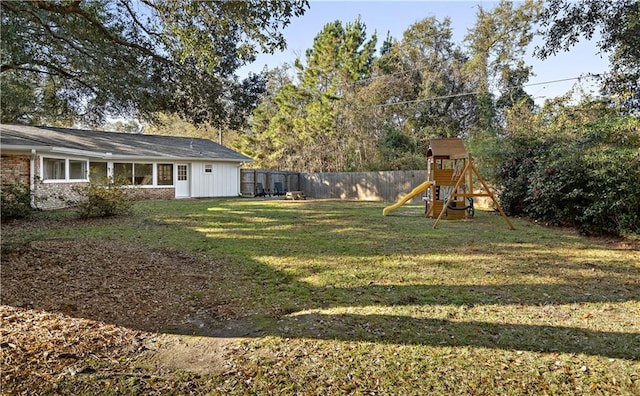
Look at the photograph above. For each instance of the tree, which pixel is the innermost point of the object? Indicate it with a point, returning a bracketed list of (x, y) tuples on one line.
[(341, 57), (412, 95), (564, 23), (272, 140), (307, 126), (497, 44), (435, 67), (83, 60)]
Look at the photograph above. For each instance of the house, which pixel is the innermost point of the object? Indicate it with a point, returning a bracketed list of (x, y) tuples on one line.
[(53, 160)]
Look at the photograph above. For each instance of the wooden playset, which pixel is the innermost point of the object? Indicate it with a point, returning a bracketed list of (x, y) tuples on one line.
[(449, 185)]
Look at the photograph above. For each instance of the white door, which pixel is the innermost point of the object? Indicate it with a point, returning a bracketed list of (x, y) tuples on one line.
[(182, 181)]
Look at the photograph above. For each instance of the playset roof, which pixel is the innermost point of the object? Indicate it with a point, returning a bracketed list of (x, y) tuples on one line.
[(452, 148)]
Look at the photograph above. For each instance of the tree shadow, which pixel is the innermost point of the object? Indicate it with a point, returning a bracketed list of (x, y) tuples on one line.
[(439, 332), (237, 295)]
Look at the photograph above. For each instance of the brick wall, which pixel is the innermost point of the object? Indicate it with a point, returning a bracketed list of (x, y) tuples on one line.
[(14, 168), (152, 193), (55, 195)]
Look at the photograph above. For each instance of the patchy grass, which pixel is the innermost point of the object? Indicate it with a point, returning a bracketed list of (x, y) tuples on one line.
[(328, 297)]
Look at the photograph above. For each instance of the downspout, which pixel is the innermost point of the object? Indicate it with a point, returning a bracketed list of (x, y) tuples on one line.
[(32, 179)]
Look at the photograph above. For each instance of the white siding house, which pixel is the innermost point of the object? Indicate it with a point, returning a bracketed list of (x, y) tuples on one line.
[(211, 179)]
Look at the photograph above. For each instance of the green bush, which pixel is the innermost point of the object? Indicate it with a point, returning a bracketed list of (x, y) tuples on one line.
[(587, 176), (102, 199), (16, 201)]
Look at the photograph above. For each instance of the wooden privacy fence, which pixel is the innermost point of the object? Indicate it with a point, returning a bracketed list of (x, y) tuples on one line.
[(388, 186), (250, 178), (365, 186)]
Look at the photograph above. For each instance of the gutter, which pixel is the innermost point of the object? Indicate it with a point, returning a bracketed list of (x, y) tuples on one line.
[(122, 157), (77, 152), (32, 179), (22, 147)]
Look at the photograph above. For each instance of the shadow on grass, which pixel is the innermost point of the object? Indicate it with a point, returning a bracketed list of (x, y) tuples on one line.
[(606, 290), (400, 329), (239, 296), (439, 332)]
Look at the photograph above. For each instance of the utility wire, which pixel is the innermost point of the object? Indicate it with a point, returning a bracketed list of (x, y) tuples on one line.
[(477, 92)]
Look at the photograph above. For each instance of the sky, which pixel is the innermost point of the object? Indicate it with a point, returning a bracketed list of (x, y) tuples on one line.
[(396, 16)]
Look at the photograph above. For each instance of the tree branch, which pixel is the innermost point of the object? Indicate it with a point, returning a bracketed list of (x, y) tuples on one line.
[(74, 8), (137, 21), (61, 38), (51, 70)]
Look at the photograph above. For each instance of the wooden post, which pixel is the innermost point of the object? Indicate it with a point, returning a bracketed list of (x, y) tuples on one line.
[(472, 170), (255, 181), (470, 178), (495, 201)]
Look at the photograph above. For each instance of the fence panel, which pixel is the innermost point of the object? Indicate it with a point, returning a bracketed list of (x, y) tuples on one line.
[(249, 179), (388, 186)]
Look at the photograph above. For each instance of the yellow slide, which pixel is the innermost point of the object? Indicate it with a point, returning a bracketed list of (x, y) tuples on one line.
[(407, 197)]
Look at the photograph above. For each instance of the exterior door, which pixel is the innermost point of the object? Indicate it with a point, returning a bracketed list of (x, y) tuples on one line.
[(182, 181)]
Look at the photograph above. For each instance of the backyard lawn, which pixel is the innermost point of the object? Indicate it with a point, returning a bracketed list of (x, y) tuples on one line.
[(318, 297)]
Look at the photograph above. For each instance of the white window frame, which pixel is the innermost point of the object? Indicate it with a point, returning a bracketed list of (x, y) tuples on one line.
[(67, 169), (155, 173), (208, 169)]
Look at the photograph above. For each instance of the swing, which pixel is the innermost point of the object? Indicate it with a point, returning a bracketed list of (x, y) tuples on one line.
[(452, 205), (469, 207)]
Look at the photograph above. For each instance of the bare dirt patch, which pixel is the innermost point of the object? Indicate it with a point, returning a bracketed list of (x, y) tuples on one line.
[(109, 282), (86, 307)]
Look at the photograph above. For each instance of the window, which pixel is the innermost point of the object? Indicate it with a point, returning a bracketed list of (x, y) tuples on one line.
[(165, 174), (447, 164), (123, 173), (97, 171), (142, 174), (77, 170), (208, 168), (182, 172), (64, 169), (136, 174), (53, 169)]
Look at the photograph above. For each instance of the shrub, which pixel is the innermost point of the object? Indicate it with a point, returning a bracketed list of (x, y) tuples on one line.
[(102, 199), (16, 201), (613, 185), (584, 176)]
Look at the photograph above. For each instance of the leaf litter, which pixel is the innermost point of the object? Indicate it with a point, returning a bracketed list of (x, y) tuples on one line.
[(72, 308)]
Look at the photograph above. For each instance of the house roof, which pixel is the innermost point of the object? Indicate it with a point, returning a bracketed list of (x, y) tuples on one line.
[(453, 148), (113, 144)]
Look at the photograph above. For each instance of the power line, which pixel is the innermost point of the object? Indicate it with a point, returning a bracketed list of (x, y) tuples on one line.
[(477, 92)]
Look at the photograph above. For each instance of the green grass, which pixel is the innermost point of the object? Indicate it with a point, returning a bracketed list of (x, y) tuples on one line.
[(346, 301)]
